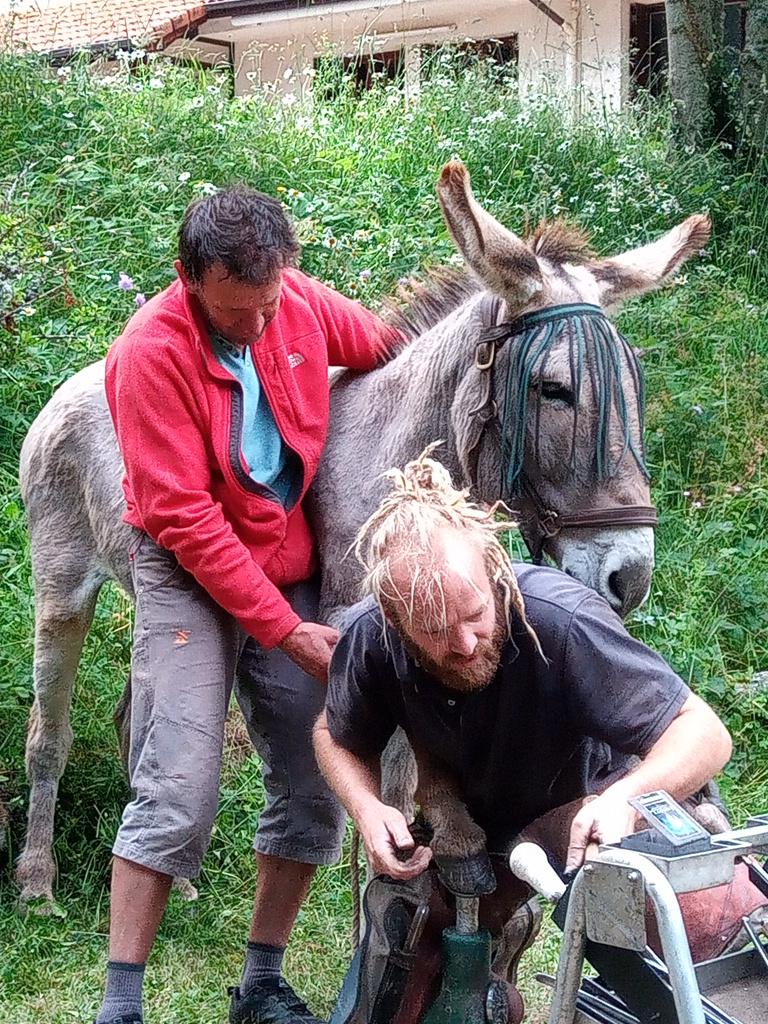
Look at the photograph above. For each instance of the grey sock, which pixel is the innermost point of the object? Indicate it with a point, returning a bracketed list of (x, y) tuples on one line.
[(122, 997), (262, 962)]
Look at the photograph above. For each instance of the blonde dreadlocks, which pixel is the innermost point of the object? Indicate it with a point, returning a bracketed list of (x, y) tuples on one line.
[(422, 500)]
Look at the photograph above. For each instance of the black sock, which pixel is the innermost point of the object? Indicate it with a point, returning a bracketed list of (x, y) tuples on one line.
[(262, 962), (122, 996)]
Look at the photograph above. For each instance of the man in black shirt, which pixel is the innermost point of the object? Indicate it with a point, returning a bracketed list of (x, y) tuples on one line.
[(518, 682)]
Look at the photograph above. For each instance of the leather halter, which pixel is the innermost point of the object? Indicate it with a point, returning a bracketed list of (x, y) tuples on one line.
[(546, 522)]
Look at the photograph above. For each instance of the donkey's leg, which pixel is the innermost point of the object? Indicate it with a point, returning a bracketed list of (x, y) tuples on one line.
[(399, 774), (455, 832), (58, 643)]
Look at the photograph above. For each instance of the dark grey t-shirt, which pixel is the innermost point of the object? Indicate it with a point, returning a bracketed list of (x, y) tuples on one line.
[(541, 733)]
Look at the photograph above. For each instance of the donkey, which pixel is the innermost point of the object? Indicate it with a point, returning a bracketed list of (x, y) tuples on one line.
[(535, 443), (523, 422)]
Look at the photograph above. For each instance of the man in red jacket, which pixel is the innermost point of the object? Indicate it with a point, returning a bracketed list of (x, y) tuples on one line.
[(218, 388)]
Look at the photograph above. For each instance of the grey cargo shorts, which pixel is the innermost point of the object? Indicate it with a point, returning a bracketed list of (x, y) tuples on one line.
[(187, 655)]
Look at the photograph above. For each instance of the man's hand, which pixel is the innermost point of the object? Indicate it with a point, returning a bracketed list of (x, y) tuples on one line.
[(602, 819), (389, 844), (311, 645)]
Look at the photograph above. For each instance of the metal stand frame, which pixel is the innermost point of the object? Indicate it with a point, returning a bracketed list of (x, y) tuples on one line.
[(669, 919)]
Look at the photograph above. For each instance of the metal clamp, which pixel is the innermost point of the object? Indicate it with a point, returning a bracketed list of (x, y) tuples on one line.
[(549, 523), (485, 355)]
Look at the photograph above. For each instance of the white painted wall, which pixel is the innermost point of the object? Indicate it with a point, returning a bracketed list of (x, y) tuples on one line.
[(587, 59), (605, 51)]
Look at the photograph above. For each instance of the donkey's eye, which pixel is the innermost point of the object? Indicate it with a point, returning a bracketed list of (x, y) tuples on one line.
[(556, 392)]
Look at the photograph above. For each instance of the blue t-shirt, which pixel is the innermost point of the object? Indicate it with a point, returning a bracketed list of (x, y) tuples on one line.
[(269, 459)]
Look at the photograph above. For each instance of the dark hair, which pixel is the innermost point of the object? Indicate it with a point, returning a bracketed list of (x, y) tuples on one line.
[(246, 231)]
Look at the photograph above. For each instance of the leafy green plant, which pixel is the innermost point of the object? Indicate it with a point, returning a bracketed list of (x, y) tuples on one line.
[(95, 173)]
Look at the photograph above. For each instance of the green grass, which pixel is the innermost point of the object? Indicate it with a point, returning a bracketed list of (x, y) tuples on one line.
[(94, 177)]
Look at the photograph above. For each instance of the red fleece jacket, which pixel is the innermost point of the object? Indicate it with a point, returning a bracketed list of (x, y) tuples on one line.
[(177, 413)]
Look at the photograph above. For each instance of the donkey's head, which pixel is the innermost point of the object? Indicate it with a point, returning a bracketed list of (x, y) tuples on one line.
[(564, 389)]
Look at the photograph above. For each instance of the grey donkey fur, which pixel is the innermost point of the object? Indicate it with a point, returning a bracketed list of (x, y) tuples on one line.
[(71, 468)]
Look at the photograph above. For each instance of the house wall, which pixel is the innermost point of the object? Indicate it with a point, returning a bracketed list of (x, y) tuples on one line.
[(375, 27), (589, 53)]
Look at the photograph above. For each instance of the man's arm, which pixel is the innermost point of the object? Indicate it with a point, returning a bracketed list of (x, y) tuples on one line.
[(384, 829), (356, 337), (690, 751)]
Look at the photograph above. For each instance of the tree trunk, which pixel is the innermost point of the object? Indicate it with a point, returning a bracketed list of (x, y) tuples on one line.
[(754, 76), (695, 40)]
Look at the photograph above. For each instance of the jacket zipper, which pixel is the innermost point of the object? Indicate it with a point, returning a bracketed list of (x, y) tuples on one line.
[(267, 391), (235, 451)]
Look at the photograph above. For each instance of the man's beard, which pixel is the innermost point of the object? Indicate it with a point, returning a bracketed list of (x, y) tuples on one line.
[(466, 675)]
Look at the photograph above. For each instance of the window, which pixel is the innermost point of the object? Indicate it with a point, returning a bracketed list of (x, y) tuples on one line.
[(500, 55), (363, 69), (367, 67)]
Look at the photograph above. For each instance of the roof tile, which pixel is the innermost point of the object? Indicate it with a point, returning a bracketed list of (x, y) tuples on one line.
[(83, 23)]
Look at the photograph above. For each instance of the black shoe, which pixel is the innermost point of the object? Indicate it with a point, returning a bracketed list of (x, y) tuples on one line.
[(269, 1002)]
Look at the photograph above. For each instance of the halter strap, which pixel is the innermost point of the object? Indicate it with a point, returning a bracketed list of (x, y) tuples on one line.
[(545, 522), (545, 316)]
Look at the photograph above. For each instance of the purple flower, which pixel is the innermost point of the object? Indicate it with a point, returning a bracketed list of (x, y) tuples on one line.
[(140, 299), (125, 283), (365, 275)]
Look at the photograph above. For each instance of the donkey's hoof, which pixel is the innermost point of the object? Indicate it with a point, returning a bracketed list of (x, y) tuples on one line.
[(36, 896), (185, 889), (466, 876), (35, 874), (41, 906), (466, 839)]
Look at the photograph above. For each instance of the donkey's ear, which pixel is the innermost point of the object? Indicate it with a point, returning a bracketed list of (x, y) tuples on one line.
[(502, 261), (641, 270)]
